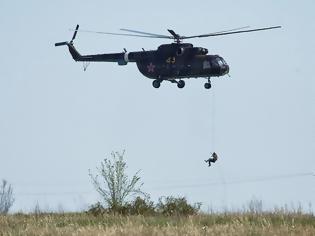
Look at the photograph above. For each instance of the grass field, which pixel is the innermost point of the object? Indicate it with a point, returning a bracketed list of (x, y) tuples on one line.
[(202, 224)]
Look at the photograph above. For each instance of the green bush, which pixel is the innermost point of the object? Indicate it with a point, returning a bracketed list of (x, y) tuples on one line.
[(141, 206), (170, 206)]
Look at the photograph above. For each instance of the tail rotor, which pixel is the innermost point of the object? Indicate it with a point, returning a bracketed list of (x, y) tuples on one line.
[(75, 34), (66, 42)]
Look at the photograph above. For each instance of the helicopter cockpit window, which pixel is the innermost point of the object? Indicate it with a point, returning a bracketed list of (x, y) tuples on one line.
[(224, 62), (219, 61)]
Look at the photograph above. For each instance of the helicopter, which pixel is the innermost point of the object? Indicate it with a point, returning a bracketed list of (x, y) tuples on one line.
[(170, 62)]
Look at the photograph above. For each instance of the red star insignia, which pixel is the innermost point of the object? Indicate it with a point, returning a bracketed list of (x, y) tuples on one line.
[(151, 67)]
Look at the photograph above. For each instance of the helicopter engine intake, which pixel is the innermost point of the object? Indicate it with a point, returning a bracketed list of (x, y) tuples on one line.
[(124, 61), (200, 51)]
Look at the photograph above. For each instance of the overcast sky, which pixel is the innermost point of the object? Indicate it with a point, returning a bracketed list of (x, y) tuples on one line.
[(57, 121)]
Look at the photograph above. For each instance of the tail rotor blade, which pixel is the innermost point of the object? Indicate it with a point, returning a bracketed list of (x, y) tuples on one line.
[(75, 33), (61, 44)]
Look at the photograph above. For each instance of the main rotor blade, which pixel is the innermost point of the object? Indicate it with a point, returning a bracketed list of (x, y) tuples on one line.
[(226, 33), (176, 35), (109, 33), (239, 28), (146, 33)]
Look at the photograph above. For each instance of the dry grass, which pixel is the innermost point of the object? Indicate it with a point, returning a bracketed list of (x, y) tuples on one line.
[(214, 224)]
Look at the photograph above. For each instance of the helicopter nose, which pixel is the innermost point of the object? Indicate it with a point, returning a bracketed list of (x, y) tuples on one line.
[(225, 69), (223, 66)]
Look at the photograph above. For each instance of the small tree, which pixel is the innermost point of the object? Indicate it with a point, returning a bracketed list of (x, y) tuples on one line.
[(6, 197), (115, 186)]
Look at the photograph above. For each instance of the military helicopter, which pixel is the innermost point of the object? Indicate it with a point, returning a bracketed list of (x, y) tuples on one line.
[(170, 62)]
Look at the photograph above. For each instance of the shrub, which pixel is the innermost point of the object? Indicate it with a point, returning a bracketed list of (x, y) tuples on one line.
[(177, 206), (141, 206)]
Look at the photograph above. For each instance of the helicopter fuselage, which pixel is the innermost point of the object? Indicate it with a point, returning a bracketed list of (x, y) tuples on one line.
[(177, 61), (168, 62)]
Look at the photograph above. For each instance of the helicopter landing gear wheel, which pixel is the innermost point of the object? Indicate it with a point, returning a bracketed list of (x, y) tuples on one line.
[(207, 85), (156, 83), (181, 84)]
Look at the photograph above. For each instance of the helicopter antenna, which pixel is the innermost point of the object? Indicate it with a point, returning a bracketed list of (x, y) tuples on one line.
[(85, 65)]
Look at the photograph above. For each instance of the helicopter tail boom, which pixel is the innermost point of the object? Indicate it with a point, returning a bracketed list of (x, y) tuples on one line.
[(120, 58)]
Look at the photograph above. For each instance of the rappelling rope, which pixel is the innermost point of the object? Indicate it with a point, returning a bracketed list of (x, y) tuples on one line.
[(213, 146), (213, 121)]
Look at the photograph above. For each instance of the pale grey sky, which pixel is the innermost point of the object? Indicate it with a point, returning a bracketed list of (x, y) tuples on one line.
[(57, 121)]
